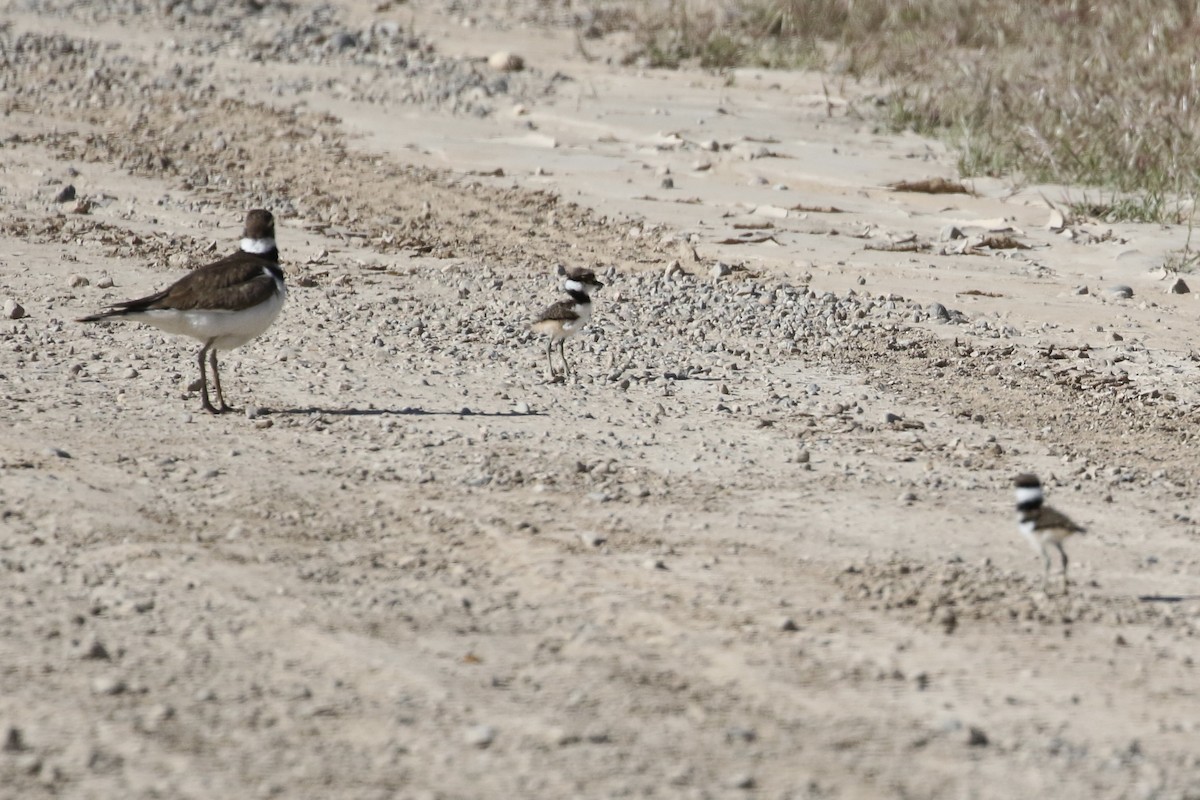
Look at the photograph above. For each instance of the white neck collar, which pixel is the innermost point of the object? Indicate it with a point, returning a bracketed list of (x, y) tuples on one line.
[(258, 246), (1028, 494)]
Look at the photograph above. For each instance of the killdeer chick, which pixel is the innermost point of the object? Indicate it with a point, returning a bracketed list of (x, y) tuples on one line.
[(567, 317), (1042, 525), (223, 304)]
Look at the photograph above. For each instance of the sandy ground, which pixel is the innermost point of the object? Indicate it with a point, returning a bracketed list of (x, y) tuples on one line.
[(761, 545)]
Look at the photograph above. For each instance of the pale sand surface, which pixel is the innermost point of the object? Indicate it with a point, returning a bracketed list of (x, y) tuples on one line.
[(707, 566)]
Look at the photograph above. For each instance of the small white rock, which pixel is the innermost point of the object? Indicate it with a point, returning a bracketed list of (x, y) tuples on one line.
[(13, 309), (504, 61), (480, 736)]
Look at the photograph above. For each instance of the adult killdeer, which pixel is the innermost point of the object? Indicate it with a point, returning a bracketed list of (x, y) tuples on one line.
[(567, 317), (223, 304), (1042, 525)]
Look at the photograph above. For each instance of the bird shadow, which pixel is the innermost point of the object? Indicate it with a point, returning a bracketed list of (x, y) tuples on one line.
[(407, 411), (1167, 598)]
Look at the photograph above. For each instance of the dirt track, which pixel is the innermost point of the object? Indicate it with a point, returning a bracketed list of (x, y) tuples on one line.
[(762, 546)]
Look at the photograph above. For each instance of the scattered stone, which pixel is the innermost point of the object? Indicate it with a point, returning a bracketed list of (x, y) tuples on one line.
[(95, 651), (105, 282), (654, 564), (720, 270), (57, 452), (344, 40), (1081, 290), (950, 233), (741, 780), (890, 419), (480, 736), (907, 498), (667, 183), (948, 619), (130, 373), (740, 734), (504, 61), (14, 741), (1179, 287), (108, 685), (65, 194), (1121, 291), (939, 312), (521, 408), (13, 309), (592, 538), (788, 624), (976, 737), (76, 281)]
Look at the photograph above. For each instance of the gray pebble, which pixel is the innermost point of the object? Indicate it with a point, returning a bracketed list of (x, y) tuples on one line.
[(66, 194), (950, 232), (976, 737), (1121, 291), (1179, 287), (1081, 290), (105, 282), (76, 281), (654, 564), (720, 270), (130, 373), (14, 742), (57, 452), (13, 309), (344, 40), (95, 650), (521, 408)]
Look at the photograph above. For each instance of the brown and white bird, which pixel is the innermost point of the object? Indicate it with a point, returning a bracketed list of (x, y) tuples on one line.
[(567, 317), (223, 304), (1042, 525)]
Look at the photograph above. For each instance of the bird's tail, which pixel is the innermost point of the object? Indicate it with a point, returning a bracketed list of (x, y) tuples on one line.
[(125, 307)]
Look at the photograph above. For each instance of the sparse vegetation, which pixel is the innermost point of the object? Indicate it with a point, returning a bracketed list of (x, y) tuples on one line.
[(1096, 94)]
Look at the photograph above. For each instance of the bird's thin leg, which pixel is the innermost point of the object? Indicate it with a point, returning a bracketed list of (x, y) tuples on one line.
[(562, 353), (550, 357), (205, 403), (212, 360), (1063, 553), (1046, 572)]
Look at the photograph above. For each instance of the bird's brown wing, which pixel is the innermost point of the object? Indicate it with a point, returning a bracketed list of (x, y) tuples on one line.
[(1052, 518), (562, 311), (235, 282)]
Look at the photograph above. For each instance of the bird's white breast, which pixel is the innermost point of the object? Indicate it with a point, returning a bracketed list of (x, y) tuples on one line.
[(228, 329)]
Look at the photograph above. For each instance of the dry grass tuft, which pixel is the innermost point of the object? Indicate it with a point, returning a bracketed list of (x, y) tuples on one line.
[(1098, 94)]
